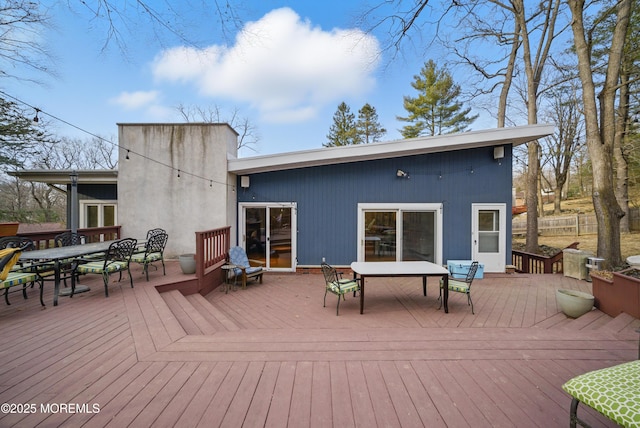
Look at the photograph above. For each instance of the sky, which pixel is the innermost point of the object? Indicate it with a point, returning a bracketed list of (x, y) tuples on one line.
[(286, 70)]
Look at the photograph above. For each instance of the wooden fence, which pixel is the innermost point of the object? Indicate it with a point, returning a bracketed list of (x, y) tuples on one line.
[(573, 225)]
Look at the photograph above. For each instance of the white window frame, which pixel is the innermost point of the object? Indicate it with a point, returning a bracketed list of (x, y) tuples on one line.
[(399, 208), (84, 204)]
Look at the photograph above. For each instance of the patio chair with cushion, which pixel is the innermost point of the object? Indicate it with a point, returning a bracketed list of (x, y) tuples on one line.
[(334, 283), (612, 391), (116, 259), (10, 276), (243, 267), (153, 252), (67, 239), (461, 285)]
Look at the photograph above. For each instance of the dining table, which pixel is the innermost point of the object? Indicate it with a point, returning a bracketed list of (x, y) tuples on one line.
[(422, 269), (59, 256)]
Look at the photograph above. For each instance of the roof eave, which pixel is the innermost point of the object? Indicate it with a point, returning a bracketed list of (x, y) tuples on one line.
[(389, 149)]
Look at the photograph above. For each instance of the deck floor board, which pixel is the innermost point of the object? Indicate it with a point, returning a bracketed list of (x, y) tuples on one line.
[(272, 355)]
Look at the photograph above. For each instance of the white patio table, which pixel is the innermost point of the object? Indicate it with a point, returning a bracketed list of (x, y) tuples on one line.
[(393, 269)]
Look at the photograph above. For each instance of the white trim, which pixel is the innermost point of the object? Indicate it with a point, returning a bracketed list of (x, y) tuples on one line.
[(399, 208), (83, 204), (389, 149), (493, 262), (242, 238)]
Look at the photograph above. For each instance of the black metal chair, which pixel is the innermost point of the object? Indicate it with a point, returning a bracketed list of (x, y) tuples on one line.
[(66, 239), (153, 251), (155, 231), (117, 259), (16, 242), (461, 285), (334, 283)]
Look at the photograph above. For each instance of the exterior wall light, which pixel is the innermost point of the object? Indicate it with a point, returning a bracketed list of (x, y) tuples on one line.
[(402, 174)]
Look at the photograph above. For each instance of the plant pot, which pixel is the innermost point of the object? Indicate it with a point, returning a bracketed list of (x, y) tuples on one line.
[(574, 303), (9, 229), (187, 263)]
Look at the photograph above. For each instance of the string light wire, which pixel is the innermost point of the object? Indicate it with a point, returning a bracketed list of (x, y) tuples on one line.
[(129, 151)]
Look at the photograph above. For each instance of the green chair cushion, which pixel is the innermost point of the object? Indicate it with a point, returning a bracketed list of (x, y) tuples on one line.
[(614, 392), (98, 267), (344, 286), (151, 257), (18, 278), (460, 287)]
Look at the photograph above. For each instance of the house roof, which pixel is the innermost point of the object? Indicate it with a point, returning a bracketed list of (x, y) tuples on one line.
[(108, 176), (389, 149)]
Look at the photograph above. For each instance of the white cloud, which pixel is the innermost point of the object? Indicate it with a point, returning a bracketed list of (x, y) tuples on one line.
[(281, 65), (136, 100)]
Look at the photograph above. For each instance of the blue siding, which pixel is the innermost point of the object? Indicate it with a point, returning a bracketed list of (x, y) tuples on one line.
[(328, 197)]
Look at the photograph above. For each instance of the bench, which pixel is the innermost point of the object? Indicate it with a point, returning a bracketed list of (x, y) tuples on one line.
[(614, 392)]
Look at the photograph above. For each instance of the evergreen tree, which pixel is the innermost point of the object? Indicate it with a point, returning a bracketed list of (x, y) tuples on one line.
[(436, 110), (343, 132), (369, 129)]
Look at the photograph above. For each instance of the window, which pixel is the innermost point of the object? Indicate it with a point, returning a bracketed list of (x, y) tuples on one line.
[(98, 214), (400, 232)]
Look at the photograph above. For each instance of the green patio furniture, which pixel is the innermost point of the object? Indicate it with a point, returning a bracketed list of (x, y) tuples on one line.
[(153, 252), (117, 259), (614, 392), (461, 285), (334, 283), (12, 276)]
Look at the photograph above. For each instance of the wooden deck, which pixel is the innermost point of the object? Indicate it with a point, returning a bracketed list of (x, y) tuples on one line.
[(271, 355)]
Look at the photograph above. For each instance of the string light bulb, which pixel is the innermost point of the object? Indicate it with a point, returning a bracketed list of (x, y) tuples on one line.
[(36, 119), (127, 158), (178, 173)]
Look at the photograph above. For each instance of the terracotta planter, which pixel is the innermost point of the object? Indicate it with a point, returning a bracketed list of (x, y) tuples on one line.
[(9, 229), (574, 303), (620, 294)]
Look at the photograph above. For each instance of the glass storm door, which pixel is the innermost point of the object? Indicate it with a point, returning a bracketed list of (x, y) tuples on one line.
[(268, 234), (489, 236)]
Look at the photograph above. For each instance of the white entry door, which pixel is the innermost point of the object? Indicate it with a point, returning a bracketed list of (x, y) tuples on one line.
[(488, 236)]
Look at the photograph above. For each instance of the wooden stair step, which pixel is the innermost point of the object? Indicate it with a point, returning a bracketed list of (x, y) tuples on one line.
[(189, 317), (586, 320), (215, 316)]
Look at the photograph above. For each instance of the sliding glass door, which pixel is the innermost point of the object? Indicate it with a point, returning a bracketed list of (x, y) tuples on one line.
[(267, 234), (400, 232)]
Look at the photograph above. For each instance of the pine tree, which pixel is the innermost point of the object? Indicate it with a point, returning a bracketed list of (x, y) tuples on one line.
[(343, 132), (369, 129), (436, 110)]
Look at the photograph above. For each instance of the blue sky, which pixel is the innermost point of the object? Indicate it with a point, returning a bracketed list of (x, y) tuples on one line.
[(286, 71)]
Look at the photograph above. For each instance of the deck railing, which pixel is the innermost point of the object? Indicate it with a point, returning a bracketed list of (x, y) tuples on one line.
[(212, 247), (45, 239), (536, 263)]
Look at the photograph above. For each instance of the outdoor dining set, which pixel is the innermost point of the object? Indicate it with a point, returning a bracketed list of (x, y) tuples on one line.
[(22, 265)]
